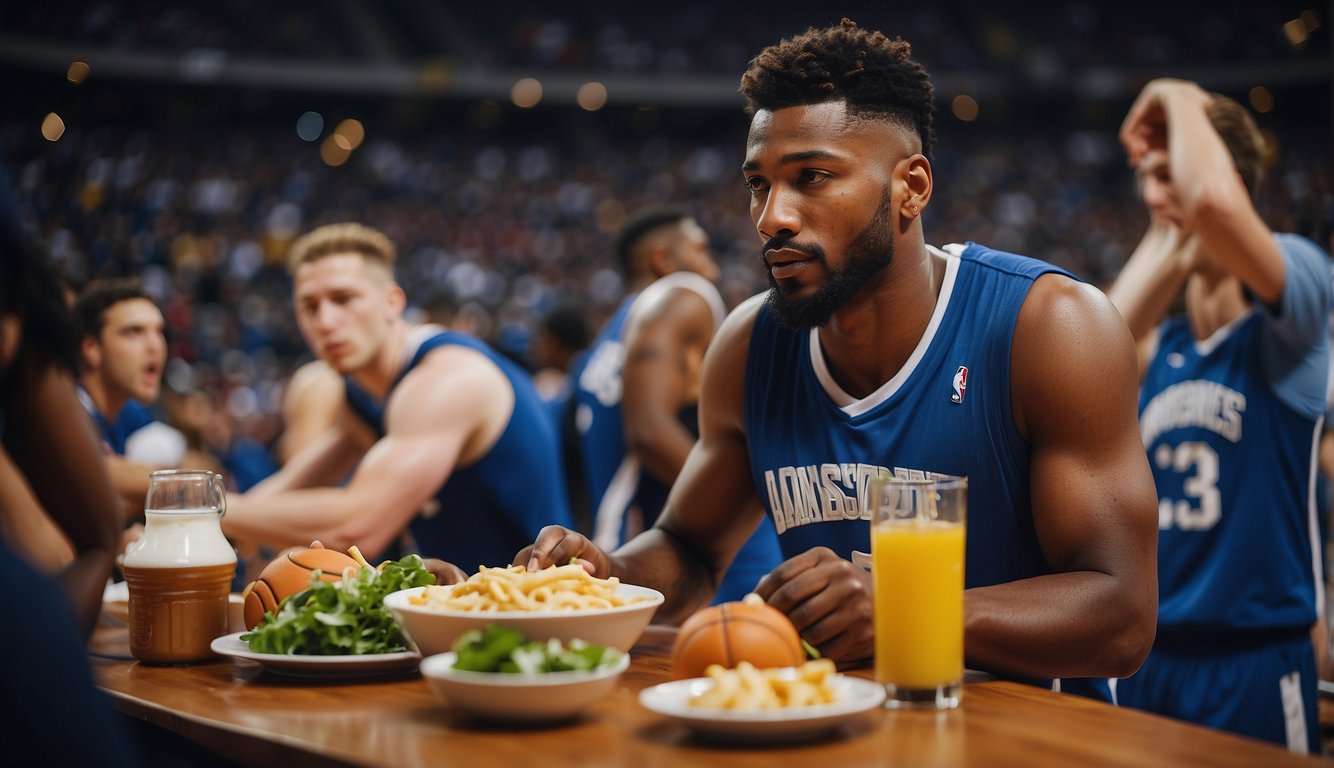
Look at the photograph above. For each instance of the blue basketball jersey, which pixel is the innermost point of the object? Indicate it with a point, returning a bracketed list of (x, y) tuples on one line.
[(814, 448), (597, 394), (1231, 426), (115, 432), (616, 482), (489, 510)]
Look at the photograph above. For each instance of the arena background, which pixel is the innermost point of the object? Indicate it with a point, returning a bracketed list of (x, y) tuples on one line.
[(500, 144)]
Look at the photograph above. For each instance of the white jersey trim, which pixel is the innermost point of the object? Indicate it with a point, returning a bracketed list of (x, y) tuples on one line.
[(690, 281), (1313, 521), (615, 501), (851, 405), (1205, 346)]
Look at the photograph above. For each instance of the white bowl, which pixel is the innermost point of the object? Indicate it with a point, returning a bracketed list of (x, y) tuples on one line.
[(433, 630), (539, 697)]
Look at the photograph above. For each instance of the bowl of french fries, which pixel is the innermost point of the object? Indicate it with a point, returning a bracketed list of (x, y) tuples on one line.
[(747, 704), (561, 602)]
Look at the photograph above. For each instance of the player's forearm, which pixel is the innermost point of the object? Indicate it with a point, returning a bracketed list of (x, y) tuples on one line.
[(1151, 278), (295, 518), (659, 560), (1076, 624)]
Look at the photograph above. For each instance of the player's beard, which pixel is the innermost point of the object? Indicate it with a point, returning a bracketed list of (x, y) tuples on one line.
[(868, 253)]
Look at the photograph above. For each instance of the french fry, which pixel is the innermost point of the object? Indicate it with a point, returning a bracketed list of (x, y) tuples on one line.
[(749, 689)]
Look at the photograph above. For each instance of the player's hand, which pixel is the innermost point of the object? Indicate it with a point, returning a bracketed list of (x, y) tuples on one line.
[(1145, 126), (556, 545), (829, 601), (444, 573)]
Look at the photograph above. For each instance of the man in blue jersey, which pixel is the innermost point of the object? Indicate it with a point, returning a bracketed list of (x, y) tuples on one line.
[(637, 390), (123, 353), (1233, 392), (447, 436), (850, 367)]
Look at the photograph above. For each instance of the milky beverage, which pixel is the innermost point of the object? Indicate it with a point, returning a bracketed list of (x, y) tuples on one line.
[(179, 574)]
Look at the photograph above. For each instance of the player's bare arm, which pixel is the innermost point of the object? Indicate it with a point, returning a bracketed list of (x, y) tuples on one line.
[(1094, 505), (442, 414), (658, 379)]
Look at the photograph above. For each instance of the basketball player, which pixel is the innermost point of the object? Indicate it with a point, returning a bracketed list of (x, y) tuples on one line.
[(447, 436), (638, 387), (846, 370), (123, 353), (1230, 412)]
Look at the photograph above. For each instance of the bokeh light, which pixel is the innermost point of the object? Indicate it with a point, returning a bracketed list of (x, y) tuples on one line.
[(334, 153), (526, 93), (309, 125), (352, 131), (965, 107), (77, 72), (1261, 99), (52, 127), (592, 96)]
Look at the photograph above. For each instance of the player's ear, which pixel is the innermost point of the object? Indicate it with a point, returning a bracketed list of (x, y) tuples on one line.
[(395, 300), (90, 352), (661, 260), (912, 178)]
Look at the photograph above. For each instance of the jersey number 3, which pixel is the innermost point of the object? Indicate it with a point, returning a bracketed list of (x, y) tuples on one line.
[(1203, 506)]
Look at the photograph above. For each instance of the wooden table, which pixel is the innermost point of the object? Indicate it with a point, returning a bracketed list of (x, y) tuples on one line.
[(241, 711)]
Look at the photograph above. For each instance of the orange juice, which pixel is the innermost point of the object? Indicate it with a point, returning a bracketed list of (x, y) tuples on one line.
[(918, 572)]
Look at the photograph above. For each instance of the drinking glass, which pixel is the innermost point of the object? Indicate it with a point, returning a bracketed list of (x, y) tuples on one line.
[(917, 553)]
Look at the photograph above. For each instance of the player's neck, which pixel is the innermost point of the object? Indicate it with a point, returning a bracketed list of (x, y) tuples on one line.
[(108, 403), (387, 363), (866, 343), (1212, 301)]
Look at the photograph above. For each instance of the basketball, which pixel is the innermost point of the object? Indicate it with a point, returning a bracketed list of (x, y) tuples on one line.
[(733, 632), (289, 574)]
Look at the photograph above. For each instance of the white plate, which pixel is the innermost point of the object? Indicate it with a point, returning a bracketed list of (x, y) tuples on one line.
[(368, 665), (852, 696), (547, 696)]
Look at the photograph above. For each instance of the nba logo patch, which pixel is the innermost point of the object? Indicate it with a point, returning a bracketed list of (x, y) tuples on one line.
[(960, 384)]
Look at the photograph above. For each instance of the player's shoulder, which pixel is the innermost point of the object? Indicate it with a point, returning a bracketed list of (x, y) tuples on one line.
[(740, 322)]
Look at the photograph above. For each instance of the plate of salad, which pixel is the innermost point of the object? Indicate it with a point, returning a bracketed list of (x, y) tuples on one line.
[(335, 629), (499, 674)]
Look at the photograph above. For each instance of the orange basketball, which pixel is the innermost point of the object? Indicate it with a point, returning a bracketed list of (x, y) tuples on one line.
[(732, 632), (288, 575)]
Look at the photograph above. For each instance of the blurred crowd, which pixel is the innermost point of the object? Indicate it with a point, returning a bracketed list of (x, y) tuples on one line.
[(501, 233), (1042, 38)]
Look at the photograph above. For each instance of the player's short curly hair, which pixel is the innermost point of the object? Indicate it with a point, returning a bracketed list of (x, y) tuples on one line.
[(875, 75)]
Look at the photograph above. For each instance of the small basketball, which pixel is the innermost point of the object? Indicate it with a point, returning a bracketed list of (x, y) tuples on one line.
[(733, 632), (288, 575)]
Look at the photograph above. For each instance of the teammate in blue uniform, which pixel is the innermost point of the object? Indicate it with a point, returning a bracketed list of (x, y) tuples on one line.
[(447, 436), (1231, 406), (637, 389), (123, 353), (873, 351)]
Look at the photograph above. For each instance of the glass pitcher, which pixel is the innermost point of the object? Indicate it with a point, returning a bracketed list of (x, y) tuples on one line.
[(179, 572)]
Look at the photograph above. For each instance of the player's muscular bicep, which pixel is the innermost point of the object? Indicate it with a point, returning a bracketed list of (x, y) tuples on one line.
[(1075, 380)]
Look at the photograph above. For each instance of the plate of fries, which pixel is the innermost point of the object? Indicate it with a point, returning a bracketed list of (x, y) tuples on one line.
[(766, 705), (561, 602)]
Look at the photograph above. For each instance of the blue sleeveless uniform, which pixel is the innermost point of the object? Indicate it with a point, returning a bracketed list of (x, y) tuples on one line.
[(489, 510), (814, 448), (1231, 425), (616, 482), (115, 432)]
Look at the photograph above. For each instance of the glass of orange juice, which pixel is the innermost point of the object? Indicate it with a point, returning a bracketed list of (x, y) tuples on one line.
[(917, 552)]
